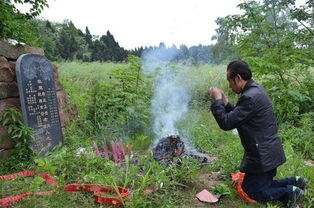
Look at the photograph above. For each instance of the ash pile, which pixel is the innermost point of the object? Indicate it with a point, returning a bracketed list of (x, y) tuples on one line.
[(172, 146)]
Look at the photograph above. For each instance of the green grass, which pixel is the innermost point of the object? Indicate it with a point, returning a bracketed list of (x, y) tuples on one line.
[(174, 185)]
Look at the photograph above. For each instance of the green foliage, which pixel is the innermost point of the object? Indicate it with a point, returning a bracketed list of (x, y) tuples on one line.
[(221, 189), (69, 41), (121, 103), (38, 181), (296, 165), (224, 49), (22, 185), (269, 205), (295, 99), (140, 142), (276, 39), (36, 6), (79, 80), (267, 39), (166, 180), (107, 49), (137, 173), (301, 136), (47, 38), (21, 156), (304, 15), (289, 103), (63, 41), (14, 24)]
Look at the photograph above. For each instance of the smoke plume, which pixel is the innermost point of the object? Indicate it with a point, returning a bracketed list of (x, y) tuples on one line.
[(171, 97)]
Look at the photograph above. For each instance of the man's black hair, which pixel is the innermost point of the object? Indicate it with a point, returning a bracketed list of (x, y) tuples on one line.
[(241, 68)]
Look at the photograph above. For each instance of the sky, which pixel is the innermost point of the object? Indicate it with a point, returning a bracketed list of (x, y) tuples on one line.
[(136, 23)]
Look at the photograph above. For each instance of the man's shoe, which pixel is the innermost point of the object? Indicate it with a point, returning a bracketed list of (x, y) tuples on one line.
[(296, 194), (301, 182)]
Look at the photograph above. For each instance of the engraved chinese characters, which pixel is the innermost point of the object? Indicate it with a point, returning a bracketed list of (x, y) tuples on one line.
[(38, 101)]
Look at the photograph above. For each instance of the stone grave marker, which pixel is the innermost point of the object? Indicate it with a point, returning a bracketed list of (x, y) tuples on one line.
[(39, 104)]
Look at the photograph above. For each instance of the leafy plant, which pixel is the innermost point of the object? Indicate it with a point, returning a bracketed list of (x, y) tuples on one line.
[(15, 24), (221, 189), (276, 39), (122, 103), (301, 136), (37, 182), (21, 155), (12, 118)]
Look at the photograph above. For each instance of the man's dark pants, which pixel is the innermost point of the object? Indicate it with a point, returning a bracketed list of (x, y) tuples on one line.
[(261, 187)]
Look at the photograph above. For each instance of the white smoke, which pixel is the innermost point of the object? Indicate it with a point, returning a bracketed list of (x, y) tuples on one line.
[(171, 98)]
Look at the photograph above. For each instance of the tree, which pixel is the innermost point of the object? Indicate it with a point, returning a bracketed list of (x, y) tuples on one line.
[(88, 38), (137, 51), (107, 49), (115, 52), (304, 14), (67, 44), (184, 52), (15, 24), (278, 47), (224, 49), (98, 51), (268, 39), (46, 38)]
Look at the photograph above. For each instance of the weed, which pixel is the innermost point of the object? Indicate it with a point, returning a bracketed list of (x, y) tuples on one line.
[(21, 156), (221, 189)]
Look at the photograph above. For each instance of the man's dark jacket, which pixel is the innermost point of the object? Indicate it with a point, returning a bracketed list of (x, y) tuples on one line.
[(254, 118)]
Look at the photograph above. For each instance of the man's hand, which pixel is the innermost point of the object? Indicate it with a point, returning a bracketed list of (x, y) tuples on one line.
[(224, 98), (215, 93)]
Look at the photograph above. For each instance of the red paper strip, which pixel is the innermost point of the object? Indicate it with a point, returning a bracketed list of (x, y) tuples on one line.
[(96, 189), (237, 178)]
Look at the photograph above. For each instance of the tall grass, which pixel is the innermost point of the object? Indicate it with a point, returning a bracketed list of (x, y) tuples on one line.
[(79, 79)]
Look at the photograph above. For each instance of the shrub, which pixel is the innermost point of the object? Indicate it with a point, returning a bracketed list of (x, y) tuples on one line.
[(293, 100)]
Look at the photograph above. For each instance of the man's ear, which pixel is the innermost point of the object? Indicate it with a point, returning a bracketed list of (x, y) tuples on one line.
[(239, 77)]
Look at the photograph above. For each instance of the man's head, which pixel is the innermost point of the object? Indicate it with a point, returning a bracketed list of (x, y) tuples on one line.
[(238, 73)]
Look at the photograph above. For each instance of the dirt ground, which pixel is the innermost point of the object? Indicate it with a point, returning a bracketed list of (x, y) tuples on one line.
[(207, 180)]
